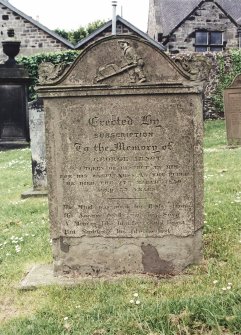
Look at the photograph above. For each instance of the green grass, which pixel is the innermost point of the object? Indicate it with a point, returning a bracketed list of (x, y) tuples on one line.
[(186, 304), (215, 134)]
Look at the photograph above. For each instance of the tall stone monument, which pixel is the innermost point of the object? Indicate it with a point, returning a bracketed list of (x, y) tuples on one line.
[(124, 153), (232, 111), (38, 152)]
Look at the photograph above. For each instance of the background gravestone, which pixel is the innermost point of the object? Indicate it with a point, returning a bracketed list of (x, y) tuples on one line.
[(124, 153), (38, 152), (232, 110)]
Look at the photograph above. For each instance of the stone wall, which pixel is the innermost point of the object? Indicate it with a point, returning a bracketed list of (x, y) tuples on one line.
[(210, 17), (33, 39)]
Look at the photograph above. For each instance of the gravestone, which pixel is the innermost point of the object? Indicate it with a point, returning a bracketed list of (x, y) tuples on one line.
[(232, 111), (124, 161), (38, 152)]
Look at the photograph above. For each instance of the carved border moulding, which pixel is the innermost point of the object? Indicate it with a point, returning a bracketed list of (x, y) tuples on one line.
[(49, 72), (191, 67), (129, 62)]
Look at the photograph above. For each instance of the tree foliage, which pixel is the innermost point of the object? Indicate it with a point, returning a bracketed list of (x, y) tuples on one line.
[(229, 66), (74, 36)]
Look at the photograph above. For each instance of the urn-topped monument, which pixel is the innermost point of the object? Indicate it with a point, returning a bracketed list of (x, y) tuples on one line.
[(14, 129), (11, 48), (124, 153)]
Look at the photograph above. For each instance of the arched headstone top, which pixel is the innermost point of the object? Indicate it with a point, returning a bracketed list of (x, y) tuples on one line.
[(118, 61), (232, 111), (236, 82)]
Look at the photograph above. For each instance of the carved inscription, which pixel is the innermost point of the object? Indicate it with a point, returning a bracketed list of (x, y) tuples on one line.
[(129, 173)]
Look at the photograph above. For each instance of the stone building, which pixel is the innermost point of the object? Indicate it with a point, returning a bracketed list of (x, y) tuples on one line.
[(34, 36), (194, 25)]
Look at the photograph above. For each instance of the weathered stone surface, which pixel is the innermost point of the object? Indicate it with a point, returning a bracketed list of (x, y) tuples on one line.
[(43, 275), (37, 144), (124, 152), (40, 275), (38, 151), (232, 109)]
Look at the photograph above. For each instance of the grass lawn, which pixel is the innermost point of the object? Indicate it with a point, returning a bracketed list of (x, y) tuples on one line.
[(205, 299)]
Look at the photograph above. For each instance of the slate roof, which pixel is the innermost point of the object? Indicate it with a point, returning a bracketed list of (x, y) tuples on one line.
[(169, 13), (108, 24), (37, 24)]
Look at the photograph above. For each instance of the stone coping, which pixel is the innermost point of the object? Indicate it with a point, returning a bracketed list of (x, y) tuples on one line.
[(42, 275)]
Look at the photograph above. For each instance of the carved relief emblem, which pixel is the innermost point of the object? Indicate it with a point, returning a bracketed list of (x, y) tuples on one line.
[(191, 66), (49, 72), (131, 63)]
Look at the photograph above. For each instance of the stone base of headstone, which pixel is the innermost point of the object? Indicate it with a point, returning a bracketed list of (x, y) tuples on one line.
[(34, 194), (8, 145), (167, 255), (43, 275), (233, 144)]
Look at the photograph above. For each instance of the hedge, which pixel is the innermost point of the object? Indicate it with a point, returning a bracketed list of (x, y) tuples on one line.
[(228, 67), (32, 63)]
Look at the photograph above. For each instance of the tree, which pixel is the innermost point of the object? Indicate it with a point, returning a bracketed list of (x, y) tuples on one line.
[(62, 33), (74, 36), (77, 35), (91, 27)]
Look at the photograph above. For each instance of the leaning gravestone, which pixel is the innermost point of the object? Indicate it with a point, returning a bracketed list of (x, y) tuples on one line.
[(124, 153), (232, 110), (38, 152)]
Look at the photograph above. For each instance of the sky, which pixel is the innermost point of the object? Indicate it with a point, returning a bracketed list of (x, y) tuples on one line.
[(54, 14)]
